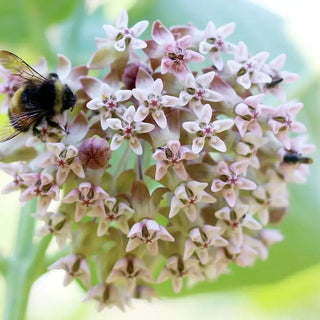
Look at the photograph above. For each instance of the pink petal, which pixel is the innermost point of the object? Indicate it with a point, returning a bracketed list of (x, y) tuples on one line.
[(175, 206), (62, 175), (101, 58), (143, 80), (217, 185), (64, 67), (192, 56), (198, 144), (80, 212), (223, 169), (216, 143), (180, 171), (160, 118), (135, 145), (139, 28), (245, 184), (204, 80), (184, 42), (141, 113), (169, 101), (278, 62), (242, 125), (244, 81), (161, 34), (166, 64), (161, 170), (239, 166), (226, 29), (132, 244), (230, 196), (122, 20), (71, 197), (116, 141)]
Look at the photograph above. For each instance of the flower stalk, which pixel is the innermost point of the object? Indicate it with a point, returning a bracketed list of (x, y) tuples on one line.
[(25, 265)]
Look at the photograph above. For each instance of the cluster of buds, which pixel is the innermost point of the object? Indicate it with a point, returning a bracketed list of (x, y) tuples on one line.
[(162, 172)]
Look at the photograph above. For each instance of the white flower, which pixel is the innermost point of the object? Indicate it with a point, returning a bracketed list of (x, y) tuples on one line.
[(248, 69), (149, 232), (206, 130), (127, 130), (214, 42), (186, 196), (123, 36)]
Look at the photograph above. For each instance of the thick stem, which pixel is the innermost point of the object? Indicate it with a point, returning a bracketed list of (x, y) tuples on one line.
[(24, 266)]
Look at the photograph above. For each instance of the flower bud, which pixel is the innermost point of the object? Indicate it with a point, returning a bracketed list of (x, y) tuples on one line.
[(95, 153), (130, 73)]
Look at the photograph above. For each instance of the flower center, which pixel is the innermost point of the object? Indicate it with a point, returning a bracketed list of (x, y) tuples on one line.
[(200, 94), (128, 131), (86, 202)]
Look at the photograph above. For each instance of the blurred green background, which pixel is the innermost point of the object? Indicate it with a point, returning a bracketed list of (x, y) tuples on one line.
[(287, 285)]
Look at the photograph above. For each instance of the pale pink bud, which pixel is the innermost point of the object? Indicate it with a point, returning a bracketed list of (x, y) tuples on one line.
[(95, 153)]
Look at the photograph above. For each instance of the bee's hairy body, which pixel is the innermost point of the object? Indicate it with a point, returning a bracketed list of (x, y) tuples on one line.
[(38, 99)]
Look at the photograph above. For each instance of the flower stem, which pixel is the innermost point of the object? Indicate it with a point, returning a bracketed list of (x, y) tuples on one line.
[(123, 161), (24, 266)]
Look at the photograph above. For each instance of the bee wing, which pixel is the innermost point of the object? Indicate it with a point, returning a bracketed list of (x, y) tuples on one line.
[(7, 131), (8, 128), (18, 67)]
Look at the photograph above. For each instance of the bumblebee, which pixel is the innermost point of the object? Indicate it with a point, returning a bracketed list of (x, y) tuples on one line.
[(38, 98)]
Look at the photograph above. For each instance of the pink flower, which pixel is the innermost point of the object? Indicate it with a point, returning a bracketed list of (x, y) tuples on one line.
[(200, 239), (115, 212), (177, 268), (214, 42), (107, 296), (148, 232), (105, 99), (70, 76), (247, 69), (131, 270), (65, 158), (75, 267), (57, 224), (15, 170), (39, 185), (269, 196), (127, 129), (232, 221), (172, 155), (87, 196), (186, 196), (197, 91), (206, 130), (151, 100), (123, 36), (230, 179), (249, 112), (278, 76), (282, 122), (248, 147), (176, 55)]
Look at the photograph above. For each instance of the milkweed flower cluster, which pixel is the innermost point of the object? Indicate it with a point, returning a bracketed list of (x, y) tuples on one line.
[(162, 171)]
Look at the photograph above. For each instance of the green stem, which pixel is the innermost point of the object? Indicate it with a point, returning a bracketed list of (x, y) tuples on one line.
[(24, 266), (3, 265), (123, 161)]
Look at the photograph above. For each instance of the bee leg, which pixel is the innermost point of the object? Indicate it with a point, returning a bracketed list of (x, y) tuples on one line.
[(54, 124)]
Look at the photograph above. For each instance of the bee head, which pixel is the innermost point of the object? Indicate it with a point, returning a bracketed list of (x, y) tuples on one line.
[(53, 77), (68, 99)]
